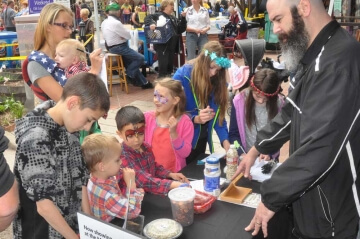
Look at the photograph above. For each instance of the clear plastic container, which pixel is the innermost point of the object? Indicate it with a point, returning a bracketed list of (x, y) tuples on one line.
[(231, 162), (203, 202), (182, 205)]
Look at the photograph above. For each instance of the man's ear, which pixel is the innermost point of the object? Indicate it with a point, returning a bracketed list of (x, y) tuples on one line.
[(304, 8), (72, 102)]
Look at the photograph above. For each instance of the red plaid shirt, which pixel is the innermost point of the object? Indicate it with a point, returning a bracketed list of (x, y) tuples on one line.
[(72, 70), (149, 175), (107, 201)]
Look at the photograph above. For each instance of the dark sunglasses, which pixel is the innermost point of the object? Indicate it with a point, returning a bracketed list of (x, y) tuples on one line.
[(135, 132)]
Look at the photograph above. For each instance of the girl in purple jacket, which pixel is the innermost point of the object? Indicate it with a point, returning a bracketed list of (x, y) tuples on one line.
[(254, 107), (168, 129)]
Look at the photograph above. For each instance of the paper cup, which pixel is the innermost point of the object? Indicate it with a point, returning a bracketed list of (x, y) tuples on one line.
[(182, 205)]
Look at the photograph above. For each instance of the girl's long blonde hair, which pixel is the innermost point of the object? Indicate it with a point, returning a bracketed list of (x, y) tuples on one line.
[(204, 86), (47, 17), (176, 90)]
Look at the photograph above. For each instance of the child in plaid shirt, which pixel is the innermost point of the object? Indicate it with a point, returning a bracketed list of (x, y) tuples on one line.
[(102, 157), (137, 154)]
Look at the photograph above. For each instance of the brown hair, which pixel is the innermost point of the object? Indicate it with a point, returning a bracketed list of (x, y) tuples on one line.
[(129, 115), (90, 89), (47, 17), (98, 147), (73, 45), (267, 81), (204, 86), (165, 3), (176, 90)]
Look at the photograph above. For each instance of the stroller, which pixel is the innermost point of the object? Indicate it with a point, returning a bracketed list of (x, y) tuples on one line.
[(253, 51)]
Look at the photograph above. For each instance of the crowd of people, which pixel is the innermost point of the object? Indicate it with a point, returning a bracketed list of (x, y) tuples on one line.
[(9, 10), (57, 173)]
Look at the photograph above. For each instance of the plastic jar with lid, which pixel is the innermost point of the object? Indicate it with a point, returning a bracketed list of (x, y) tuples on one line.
[(212, 173), (231, 162)]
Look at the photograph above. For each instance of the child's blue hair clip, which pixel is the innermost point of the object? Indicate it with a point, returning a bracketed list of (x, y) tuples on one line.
[(223, 62)]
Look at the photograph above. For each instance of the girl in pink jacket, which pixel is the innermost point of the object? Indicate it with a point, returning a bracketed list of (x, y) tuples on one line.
[(168, 129)]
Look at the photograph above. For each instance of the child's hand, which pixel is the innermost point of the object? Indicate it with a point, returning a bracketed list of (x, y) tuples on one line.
[(178, 177), (206, 115), (172, 126), (129, 174)]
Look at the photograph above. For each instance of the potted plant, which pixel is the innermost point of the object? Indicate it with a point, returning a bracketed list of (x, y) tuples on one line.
[(10, 110), (12, 84)]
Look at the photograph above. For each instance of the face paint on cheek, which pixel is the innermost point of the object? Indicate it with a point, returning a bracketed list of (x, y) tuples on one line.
[(163, 100)]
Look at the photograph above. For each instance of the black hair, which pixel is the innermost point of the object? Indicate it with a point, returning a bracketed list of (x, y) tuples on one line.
[(129, 115), (90, 89)]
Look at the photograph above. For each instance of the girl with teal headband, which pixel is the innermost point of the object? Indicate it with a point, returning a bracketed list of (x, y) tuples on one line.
[(205, 86)]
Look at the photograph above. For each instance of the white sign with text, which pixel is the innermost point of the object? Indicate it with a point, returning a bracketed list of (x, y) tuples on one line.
[(93, 228)]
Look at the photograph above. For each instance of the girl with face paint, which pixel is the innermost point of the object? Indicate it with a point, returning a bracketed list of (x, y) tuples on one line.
[(168, 129)]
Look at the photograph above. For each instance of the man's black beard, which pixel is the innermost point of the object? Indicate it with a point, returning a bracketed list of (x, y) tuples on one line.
[(295, 43)]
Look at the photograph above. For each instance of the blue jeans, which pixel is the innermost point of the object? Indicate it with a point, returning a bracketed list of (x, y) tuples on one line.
[(132, 61), (193, 42)]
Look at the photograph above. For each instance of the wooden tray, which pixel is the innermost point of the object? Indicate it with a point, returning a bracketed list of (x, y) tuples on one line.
[(233, 193)]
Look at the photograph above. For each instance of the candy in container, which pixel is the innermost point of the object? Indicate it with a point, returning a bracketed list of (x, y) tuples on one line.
[(182, 205)]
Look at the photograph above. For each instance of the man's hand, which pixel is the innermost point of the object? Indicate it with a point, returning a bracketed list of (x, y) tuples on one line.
[(246, 163), (260, 220), (178, 177), (264, 157)]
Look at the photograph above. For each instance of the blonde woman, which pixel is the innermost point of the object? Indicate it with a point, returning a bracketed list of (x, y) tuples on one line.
[(89, 29), (166, 51), (40, 71), (204, 82), (135, 22)]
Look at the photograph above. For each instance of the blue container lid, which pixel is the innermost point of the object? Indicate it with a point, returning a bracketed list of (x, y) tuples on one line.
[(212, 160)]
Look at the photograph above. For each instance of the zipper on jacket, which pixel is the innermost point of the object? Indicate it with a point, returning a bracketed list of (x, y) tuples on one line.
[(197, 105), (212, 129), (328, 218)]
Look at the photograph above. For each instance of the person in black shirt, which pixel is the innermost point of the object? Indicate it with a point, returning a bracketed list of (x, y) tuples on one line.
[(166, 51)]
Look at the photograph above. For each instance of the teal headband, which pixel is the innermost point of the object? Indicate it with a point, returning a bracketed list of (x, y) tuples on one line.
[(220, 61)]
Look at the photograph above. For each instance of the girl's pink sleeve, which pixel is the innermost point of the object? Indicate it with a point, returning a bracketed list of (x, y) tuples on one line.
[(182, 144)]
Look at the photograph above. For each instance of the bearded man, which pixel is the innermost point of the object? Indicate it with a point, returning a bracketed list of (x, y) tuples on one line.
[(321, 120)]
